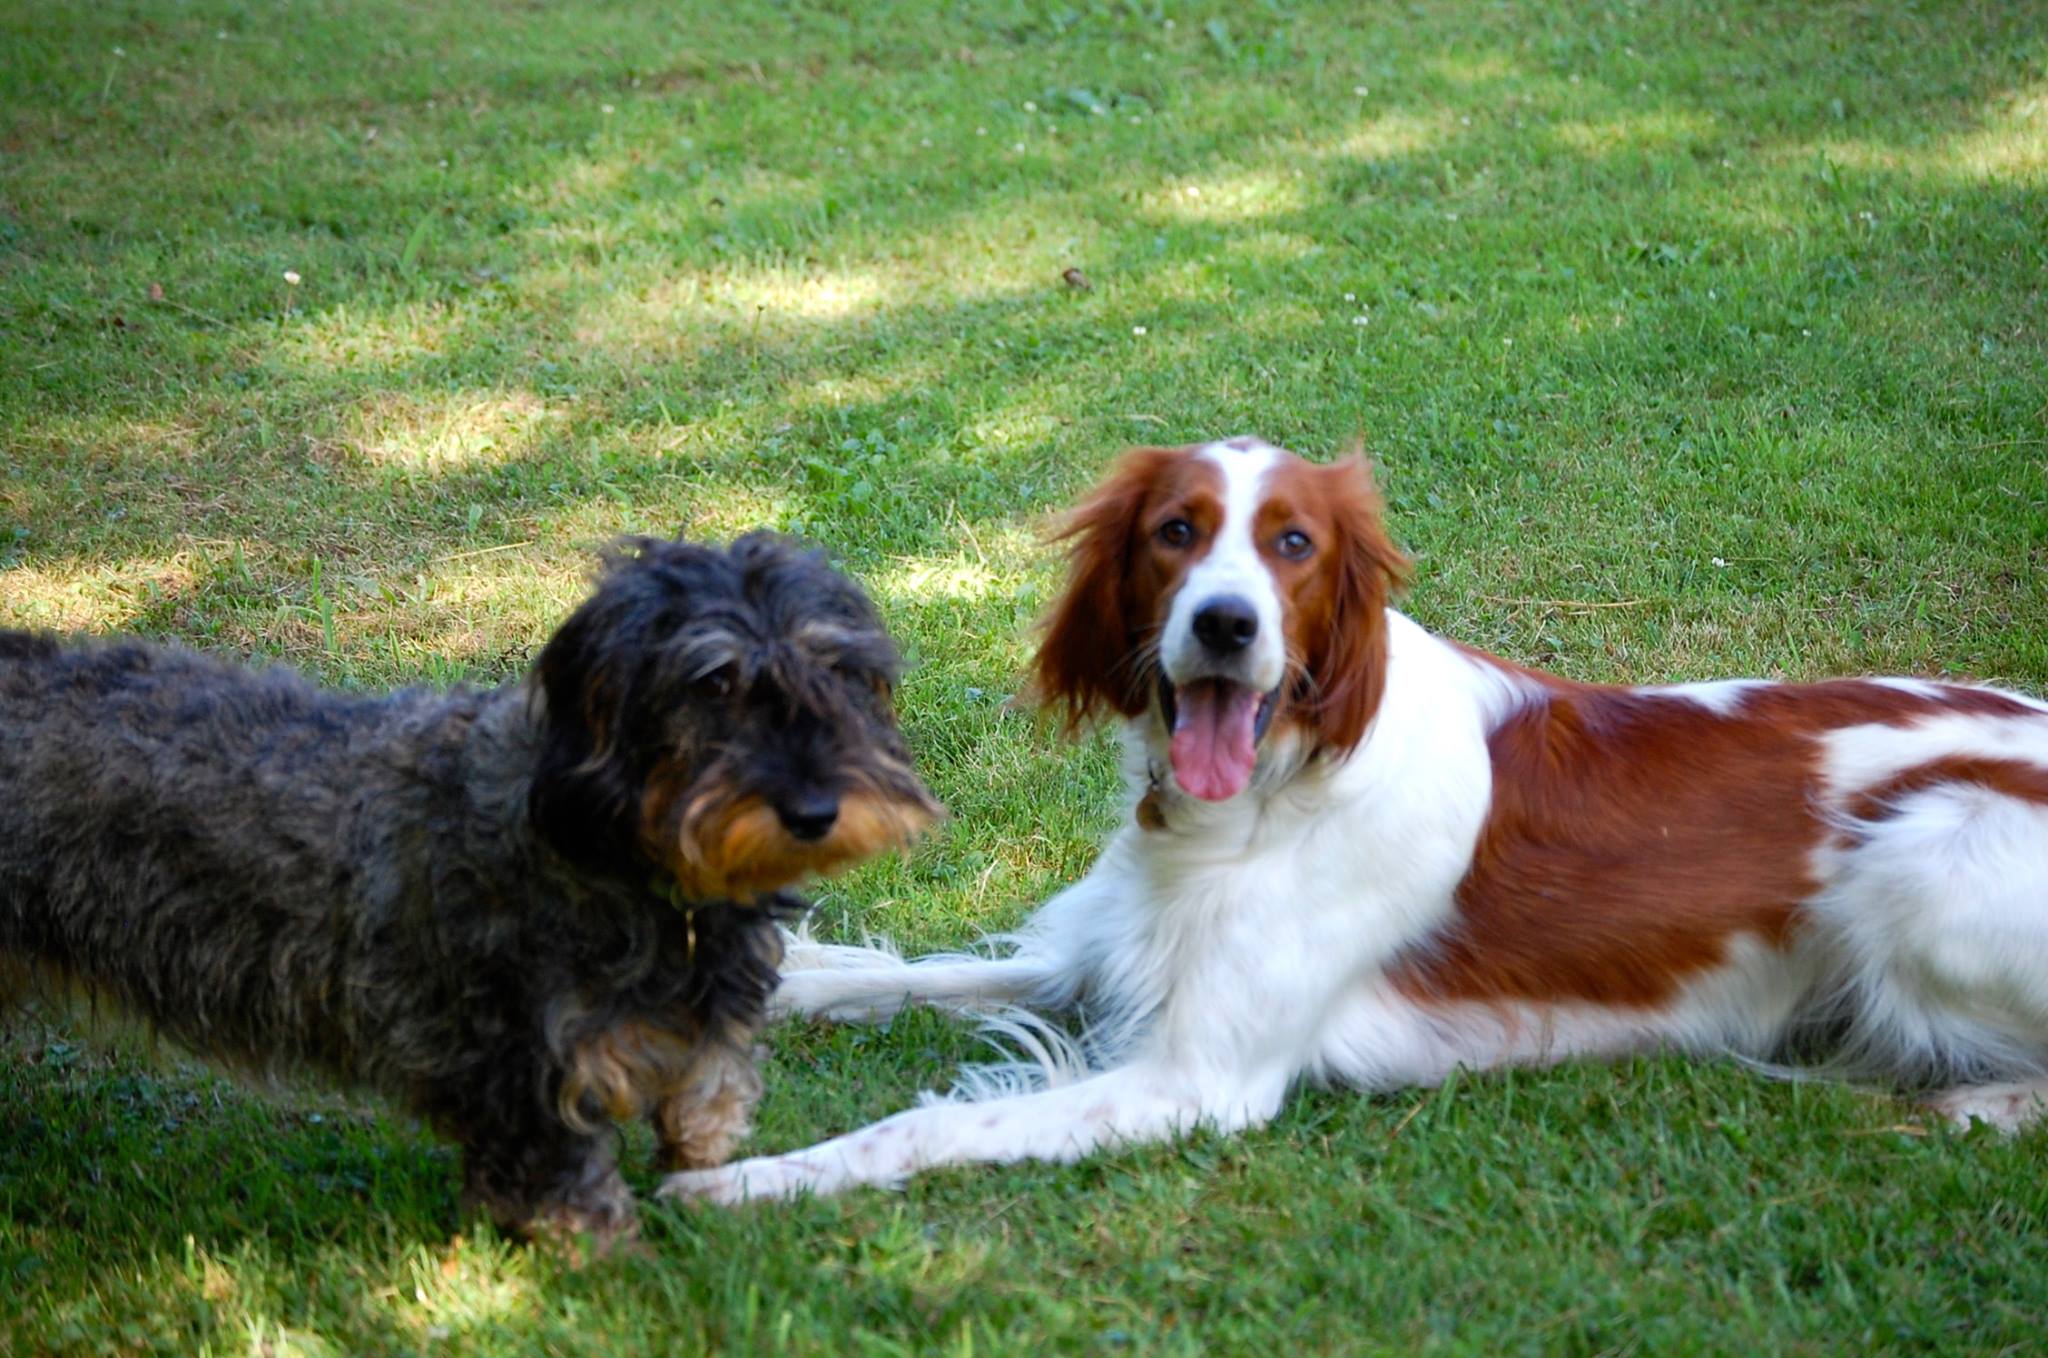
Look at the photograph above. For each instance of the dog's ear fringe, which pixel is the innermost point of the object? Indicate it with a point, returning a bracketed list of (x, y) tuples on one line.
[(1083, 663), (1349, 663), (583, 799)]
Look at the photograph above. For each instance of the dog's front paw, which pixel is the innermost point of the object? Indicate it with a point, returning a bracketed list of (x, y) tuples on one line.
[(2010, 1108), (817, 995), (774, 1177)]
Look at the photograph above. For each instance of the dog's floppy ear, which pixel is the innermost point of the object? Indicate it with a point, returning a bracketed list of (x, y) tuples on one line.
[(585, 798), (1083, 662), (1347, 660)]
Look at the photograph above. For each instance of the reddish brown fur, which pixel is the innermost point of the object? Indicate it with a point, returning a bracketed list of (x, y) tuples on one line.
[(1633, 835), (2008, 777), (1119, 580), (1336, 600)]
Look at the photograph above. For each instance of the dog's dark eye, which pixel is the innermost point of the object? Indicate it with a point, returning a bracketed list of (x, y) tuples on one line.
[(717, 683), (1293, 544), (1176, 532)]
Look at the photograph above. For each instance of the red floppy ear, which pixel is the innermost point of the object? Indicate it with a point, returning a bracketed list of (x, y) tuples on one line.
[(1086, 662), (1347, 659)]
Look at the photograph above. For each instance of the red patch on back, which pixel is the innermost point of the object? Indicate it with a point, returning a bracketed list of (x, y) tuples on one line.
[(2009, 777), (1632, 835)]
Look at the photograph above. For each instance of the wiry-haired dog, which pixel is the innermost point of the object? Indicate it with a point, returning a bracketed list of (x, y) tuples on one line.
[(522, 912)]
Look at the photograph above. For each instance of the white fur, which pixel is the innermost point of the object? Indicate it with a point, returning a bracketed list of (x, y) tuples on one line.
[(1247, 946), (1231, 566), (1722, 697)]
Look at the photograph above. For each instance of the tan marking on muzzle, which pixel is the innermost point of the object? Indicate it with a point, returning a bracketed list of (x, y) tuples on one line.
[(743, 849)]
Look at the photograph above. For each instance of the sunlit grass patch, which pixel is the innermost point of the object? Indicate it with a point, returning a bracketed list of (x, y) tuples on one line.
[(94, 598), (451, 431)]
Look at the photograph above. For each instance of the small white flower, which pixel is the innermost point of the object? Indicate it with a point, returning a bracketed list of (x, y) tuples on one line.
[(1450, 216), (1193, 191), (1710, 294), (606, 108), (221, 35), (1507, 344), (1360, 90), (1350, 296), (924, 141), (1030, 107), (1718, 562), (1361, 319), (119, 52), (1139, 329), (1575, 80), (981, 132), (1465, 122), (291, 277), (1169, 23), (1806, 332), (1018, 147)]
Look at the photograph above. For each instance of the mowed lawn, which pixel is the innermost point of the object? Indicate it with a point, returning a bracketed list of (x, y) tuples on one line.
[(1693, 339)]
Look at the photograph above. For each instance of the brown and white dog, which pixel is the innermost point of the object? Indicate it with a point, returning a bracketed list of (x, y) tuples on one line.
[(1360, 853)]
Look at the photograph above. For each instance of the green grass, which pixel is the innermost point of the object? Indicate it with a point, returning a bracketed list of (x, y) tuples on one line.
[(1700, 339)]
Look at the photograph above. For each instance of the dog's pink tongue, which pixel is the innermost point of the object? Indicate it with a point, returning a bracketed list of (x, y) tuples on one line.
[(1213, 745)]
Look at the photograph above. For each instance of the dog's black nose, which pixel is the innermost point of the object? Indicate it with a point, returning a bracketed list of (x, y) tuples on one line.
[(811, 816), (1226, 624)]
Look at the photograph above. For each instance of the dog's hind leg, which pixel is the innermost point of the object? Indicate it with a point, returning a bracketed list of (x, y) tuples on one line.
[(1937, 921)]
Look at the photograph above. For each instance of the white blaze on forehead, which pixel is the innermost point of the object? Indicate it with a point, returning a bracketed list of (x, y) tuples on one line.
[(1232, 567)]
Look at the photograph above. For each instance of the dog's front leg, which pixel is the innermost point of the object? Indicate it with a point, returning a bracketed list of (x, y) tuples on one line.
[(1049, 962), (1130, 1104), (867, 986), (698, 1125)]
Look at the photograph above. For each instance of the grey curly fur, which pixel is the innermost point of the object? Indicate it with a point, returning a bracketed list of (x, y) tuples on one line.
[(454, 898)]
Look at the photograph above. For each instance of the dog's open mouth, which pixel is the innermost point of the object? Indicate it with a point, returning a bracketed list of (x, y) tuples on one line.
[(1217, 726)]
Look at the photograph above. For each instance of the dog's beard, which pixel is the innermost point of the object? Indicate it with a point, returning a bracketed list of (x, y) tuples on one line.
[(734, 847)]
